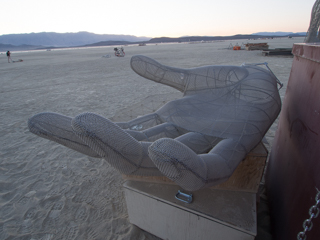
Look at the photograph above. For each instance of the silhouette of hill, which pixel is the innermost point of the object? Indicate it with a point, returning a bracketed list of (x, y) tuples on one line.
[(64, 39), (23, 47), (17, 42), (217, 38), (280, 33)]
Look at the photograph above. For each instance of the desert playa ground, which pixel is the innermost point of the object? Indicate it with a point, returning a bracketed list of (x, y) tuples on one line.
[(50, 192)]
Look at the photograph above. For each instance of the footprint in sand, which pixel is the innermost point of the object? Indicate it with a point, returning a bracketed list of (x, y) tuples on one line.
[(72, 192), (71, 231), (53, 216), (6, 211), (26, 227), (3, 233), (81, 214), (23, 200), (94, 171), (11, 227), (91, 234), (30, 213)]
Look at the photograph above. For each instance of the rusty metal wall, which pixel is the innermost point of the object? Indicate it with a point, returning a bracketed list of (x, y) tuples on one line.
[(293, 174)]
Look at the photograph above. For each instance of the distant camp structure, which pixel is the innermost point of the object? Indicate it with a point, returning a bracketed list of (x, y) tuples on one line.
[(249, 46), (256, 46), (278, 51), (119, 52), (236, 46)]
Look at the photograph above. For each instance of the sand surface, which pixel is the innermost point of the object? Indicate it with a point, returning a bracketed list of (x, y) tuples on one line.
[(50, 192)]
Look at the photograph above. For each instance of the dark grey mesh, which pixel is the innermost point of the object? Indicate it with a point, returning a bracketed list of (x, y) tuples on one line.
[(313, 34), (197, 140), (57, 127), (110, 142)]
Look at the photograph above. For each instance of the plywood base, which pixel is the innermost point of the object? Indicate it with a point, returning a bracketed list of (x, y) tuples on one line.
[(245, 178), (214, 214), (225, 211)]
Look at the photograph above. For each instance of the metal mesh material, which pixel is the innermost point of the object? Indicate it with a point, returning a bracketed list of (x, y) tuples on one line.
[(313, 31), (197, 140), (56, 127), (112, 143)]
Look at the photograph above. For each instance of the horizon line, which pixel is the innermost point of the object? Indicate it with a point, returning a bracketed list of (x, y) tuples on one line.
[(257, 33)]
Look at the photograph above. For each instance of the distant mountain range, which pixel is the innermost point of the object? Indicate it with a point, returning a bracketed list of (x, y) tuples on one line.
[(279, 33), (29, 41), (217, 38), (64, 39)]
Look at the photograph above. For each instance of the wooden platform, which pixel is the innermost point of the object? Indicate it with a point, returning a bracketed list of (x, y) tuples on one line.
[(214, 214), (245, 178), (278, 51), (256, 46), (225, 211)]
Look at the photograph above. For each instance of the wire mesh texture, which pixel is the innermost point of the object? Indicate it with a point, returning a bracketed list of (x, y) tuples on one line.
[(197, 140), (313, 30)]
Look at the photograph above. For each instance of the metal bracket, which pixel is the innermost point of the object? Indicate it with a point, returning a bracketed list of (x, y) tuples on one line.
[(184, 197)]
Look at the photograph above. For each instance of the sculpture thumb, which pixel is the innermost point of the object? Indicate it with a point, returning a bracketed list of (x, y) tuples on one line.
[(152, 70)]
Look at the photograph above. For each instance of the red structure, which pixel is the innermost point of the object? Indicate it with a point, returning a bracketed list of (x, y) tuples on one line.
[(293, 174)]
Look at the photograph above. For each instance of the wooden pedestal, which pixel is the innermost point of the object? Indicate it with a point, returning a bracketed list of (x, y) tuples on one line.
[(213, 214), (226, 211), (245, 178)]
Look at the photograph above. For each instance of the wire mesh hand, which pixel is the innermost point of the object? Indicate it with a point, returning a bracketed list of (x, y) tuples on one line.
[(196, 141)]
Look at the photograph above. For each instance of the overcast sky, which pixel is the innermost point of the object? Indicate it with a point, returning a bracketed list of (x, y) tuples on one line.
[(155, 18)]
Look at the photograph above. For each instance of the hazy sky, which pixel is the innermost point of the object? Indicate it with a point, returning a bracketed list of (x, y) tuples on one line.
[(155, 18)]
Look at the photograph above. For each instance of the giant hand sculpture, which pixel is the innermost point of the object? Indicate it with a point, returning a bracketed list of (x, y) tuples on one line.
[(196, 141)]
